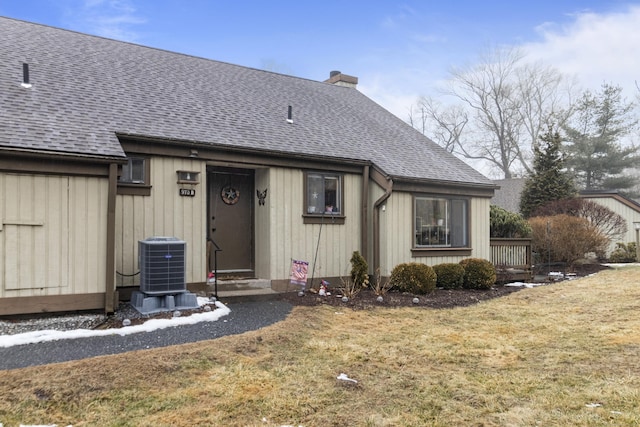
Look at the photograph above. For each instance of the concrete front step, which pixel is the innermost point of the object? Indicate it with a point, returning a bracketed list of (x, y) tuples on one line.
[(244, 289)]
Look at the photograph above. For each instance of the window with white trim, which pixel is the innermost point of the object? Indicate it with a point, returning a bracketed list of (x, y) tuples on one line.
[(441, 222)]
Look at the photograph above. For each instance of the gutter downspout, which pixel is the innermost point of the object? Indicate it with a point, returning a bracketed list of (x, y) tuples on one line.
[(110, 294), (364, 218), (388, 188)]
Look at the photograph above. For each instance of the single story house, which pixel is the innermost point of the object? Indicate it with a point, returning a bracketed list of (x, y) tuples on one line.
[(627, 208), (507, 196), (105, 143)]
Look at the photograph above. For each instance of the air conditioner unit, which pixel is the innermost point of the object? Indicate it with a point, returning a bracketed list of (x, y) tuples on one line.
[(162, 265)]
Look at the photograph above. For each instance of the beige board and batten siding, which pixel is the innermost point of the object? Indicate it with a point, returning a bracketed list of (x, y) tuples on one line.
[(290, 238), (263, 224), (163, 213), (53, 231), (396, 233), (629, 213)]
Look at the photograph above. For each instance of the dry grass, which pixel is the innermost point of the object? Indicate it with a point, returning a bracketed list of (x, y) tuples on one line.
[(535, 357)]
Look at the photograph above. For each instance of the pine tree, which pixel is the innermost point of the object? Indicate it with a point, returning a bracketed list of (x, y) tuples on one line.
[(595, 155), (549, 181)]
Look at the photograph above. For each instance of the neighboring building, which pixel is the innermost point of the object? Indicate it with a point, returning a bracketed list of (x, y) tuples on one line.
[(507, 196), (623, 206), (105, 143)]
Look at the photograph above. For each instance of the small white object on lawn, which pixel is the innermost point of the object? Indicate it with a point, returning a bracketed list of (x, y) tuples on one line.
[(345, 299), (416, 300), (344, 377), (379, 299)]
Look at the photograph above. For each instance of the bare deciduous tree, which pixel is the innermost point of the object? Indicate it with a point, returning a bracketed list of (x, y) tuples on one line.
[(610, 224), (503, 105), (444, 126)]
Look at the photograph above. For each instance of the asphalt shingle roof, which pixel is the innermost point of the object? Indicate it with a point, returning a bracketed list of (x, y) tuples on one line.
[(88, 89)]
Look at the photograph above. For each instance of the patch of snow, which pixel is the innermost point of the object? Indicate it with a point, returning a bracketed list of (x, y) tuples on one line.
[(148, 326), (525, 284), (344, 377)]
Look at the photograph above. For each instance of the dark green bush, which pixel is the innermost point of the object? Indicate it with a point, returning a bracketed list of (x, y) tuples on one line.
[(449, 275), (478, 273), (508, 225), (414, 278), (624, 253), (359, 269)]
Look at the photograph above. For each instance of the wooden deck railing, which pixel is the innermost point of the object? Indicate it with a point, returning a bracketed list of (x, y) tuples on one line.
[(512, 259)]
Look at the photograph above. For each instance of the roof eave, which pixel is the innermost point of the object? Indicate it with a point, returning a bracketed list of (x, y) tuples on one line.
[(51, 154)]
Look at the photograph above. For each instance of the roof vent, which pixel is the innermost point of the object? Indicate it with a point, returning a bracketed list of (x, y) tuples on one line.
[(25, 76), (290, 115)]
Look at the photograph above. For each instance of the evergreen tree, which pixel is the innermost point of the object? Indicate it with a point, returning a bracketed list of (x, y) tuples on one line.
[(594, 153), (549, 181)]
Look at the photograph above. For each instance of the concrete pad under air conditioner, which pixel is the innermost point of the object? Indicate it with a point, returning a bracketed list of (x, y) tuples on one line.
[(148, 304)]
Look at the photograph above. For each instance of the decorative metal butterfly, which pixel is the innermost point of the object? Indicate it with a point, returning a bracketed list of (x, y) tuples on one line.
[(262, 195)]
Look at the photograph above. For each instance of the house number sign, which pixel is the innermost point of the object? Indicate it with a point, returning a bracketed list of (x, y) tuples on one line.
[(187, 192)]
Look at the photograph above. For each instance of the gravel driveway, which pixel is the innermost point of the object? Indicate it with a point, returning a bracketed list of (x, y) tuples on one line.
[(244, 316)]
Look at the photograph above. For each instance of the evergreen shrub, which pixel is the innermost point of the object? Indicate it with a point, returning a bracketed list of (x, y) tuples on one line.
[(478, 273), (624, 253), (449, 275), (507, 225), (359, 269), (414, 278)]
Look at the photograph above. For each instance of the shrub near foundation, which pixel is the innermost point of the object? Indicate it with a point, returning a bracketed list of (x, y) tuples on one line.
[(359, 269), (449, 275), (478, 273), (414, 278), (624, 253)]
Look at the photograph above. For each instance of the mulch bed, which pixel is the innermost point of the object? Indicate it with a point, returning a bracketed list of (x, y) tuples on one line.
[(366, 299), (439, 299)]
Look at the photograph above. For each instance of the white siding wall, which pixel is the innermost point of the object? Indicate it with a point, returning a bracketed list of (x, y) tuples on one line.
[(396, 234), (163, 213), (290, 238), (53, 235)]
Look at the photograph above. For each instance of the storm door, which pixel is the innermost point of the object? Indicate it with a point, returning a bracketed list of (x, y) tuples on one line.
[(230, 220)]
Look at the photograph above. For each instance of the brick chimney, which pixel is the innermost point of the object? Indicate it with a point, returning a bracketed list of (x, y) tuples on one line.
[(337, 78)]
